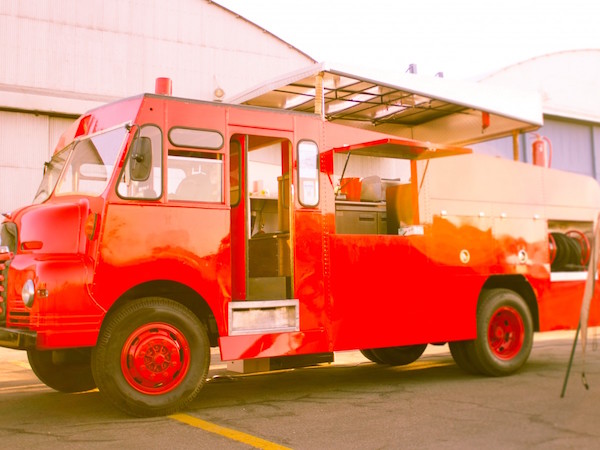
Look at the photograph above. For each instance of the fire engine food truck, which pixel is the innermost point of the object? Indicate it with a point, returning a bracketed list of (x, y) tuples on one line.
[(164, 226)]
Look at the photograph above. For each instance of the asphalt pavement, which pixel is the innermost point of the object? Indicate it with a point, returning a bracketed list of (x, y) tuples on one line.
[(350, 404)]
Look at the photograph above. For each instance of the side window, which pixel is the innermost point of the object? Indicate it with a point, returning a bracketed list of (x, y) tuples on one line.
[(195, 138), (195, 176), (150, 187), (308, 173), (235, 166)]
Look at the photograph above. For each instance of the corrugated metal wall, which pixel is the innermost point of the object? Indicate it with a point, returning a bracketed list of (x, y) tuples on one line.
[(25, 140), (572, 146), (568, 83), (63, 57), (575, 146), (118, 48)]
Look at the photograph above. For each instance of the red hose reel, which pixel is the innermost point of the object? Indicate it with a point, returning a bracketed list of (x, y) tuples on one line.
[(569, 251)]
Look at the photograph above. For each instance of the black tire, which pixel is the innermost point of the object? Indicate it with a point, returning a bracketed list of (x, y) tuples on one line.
[(562, 251), (459, 352), (65, 370), (399, 356), (504, 333), (152, 357), (368, 353), (568, 253)]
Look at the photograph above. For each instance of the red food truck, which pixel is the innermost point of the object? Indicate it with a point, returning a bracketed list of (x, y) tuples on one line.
[(165, 226)]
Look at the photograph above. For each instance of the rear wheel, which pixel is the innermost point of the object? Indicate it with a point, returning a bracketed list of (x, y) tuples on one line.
[(399, 356), (459, 352), (504, 333), (368, 353), (63, 370), (152, 357)]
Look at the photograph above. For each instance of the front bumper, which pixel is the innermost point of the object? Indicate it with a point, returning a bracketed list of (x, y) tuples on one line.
[(17, 339)]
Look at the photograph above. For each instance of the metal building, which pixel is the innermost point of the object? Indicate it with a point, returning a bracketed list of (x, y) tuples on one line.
[(63, 57), (569, 85)]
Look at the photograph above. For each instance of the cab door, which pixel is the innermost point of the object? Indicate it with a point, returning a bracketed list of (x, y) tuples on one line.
[(262, 256)]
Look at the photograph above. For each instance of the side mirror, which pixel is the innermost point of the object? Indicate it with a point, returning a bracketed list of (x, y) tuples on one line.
[(141, 159)]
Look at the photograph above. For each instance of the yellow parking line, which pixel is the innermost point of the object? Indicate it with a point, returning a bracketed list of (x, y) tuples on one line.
[(426, 365), (24, 388), (227, 432)]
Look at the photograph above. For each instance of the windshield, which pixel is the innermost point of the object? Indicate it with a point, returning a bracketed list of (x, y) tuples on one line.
[(52, 171), (86, 165)]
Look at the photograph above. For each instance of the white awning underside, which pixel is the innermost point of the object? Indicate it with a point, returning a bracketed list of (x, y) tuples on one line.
[(408, 106)]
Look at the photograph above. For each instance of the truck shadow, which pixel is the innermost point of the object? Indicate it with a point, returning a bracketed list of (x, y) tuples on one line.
[(318, 383), (362, 379)]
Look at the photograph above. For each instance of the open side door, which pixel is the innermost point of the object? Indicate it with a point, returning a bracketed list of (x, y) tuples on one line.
[(262, 266)]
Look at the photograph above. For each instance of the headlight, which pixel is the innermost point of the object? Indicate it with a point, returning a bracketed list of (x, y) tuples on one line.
[(28, 293)]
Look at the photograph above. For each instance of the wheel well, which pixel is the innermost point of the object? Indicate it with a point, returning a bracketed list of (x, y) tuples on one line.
[(177, 292), (521, 286)]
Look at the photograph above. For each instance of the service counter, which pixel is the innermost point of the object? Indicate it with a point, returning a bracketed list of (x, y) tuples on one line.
[(360, 217)]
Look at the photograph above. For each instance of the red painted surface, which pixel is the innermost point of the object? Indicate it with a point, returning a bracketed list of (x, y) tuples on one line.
[(238, 223), (506, 333), (155, 358), (184, 245)]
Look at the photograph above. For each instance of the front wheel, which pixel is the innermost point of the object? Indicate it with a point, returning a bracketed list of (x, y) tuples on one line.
[(504, 333), (63, 370), (152, 357)]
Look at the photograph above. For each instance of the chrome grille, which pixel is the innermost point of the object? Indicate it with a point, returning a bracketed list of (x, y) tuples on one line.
[(18, 319), (8, 247)]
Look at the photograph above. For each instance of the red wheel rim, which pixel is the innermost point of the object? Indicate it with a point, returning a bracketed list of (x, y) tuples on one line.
[(155, 358), (552, 246), (584, 243), (506, 333)]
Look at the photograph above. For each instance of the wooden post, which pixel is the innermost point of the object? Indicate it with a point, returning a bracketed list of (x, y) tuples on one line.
[(319, 96), (515, 137)]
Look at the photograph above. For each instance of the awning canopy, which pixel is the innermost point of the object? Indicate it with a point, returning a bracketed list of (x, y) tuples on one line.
[(407, 105), (402, 149)]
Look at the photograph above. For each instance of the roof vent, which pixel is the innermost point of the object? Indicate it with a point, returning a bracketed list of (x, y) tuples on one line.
[(163, 86)]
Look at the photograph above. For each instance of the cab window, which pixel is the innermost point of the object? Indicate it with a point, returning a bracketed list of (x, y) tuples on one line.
[(195, 165), (195, 176), (150, 186)]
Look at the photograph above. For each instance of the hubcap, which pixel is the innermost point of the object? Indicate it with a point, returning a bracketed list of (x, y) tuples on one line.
[(155, 358), (506, 333)]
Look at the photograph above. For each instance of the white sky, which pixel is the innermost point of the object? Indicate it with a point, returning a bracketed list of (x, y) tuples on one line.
[(462, 38)]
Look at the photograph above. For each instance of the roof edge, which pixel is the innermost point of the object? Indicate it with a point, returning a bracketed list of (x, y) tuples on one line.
[(264, 30)]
